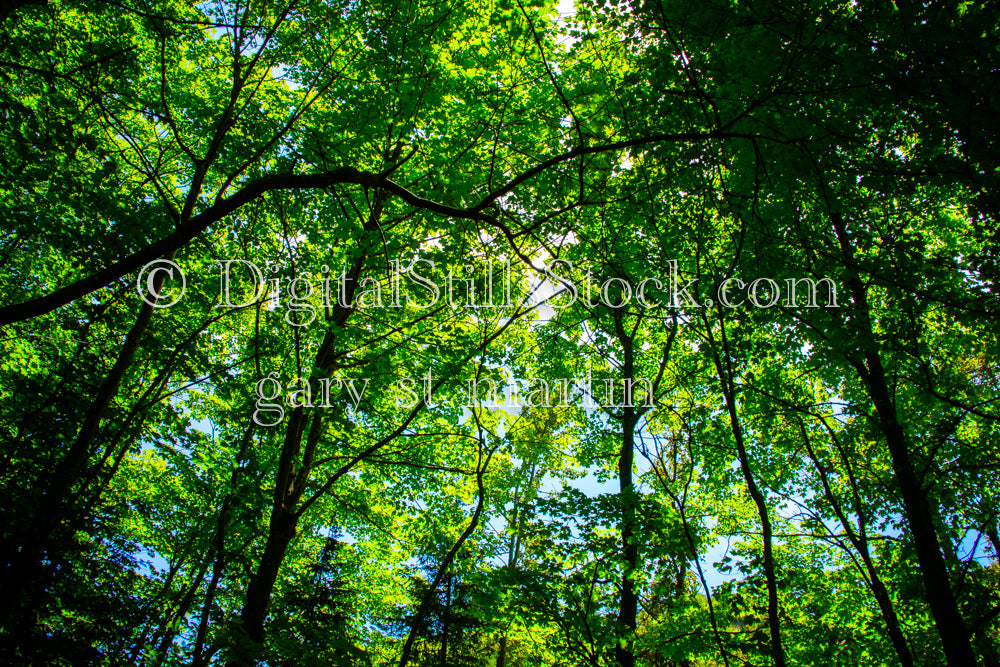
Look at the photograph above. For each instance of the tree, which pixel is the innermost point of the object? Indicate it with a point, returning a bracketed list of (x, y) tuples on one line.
[(738, 263)]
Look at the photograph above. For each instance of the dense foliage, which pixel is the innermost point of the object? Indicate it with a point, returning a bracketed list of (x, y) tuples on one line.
[(651, 333)]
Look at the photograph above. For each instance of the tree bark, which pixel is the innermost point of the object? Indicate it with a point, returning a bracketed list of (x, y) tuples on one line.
[(955, 638), (281, 530), (628, 605), (729, 393), (289, 486), (860, 542), (52, 510), (219, 549)]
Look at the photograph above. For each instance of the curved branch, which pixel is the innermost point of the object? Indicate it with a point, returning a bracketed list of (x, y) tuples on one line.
[(201, 222), (343, 175)]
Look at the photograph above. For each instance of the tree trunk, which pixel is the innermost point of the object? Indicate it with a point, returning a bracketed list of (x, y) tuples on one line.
[(729, 392), (955, 638), (281, 530), (425, 603), (52, 510), (284, 517), (219, 549), (860, 542), (446, 621), (629, 603)]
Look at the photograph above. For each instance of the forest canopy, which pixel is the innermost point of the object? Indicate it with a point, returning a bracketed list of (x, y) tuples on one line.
[(499, 333)]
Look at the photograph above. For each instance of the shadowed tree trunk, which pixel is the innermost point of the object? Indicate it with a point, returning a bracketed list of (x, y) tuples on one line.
[(955, 638), (728, 387), (629, 602), (21, 573), (425, 603), (289, 484), (859, 540)]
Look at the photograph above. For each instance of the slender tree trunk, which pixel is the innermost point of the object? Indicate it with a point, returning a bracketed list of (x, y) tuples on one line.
[(52, 510), (628, 606), (692, 546), (955, 638), (860, 542), (425, 603), (514, 546), (729, 392), (704, 584), (218, 548), (280, 534), (446, 621), (197, 658), (994, 538), (951, 627), (502, 652), (288, 486), (177, 561), (172, 621), (281, 527)]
